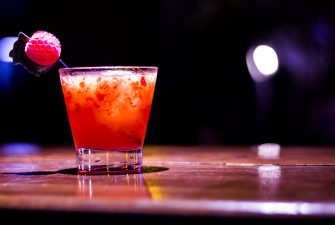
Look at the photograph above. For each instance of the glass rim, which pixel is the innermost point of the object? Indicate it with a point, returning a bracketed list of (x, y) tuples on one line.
[(88, 68)]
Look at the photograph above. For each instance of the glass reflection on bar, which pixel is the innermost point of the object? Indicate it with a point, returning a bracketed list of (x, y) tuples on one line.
[(130, 186), (269, 179)]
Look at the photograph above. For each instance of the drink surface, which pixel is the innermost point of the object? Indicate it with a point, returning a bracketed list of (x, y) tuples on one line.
[(109, 110)]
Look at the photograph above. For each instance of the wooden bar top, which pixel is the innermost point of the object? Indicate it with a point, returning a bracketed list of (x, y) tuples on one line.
[(188, 181)]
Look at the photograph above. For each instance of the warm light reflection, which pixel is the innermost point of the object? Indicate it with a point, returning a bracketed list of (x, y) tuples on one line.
[(268, 151), (155, 190)]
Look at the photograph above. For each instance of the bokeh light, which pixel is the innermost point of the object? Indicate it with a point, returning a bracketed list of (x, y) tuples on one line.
[(266, 60), (262, 62), (6, 44)]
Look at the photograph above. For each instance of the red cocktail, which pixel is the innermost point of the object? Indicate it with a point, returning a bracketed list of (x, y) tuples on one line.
[(108, 110)]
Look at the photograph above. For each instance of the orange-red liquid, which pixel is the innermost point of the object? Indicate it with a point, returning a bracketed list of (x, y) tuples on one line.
[(108, 112)]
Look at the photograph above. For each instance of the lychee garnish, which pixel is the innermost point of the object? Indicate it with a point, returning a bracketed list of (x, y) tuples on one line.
[(37, 54), (43, 48)]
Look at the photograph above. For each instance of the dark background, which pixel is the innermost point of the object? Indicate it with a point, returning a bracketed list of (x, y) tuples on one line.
[(204, 93)]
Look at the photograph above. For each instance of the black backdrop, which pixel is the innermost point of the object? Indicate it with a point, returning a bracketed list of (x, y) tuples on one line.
[(204, 93)]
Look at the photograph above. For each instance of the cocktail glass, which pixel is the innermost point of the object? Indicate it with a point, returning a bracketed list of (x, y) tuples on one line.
[(108, 110)]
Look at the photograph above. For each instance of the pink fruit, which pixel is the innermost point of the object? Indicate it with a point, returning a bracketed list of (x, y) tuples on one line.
[(43, 48)]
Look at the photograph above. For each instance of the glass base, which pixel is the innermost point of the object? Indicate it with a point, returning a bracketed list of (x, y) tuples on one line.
[(92, 161)]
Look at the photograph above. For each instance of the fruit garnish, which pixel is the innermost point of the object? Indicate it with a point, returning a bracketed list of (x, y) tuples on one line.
[(43, 48), (37, 54)]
